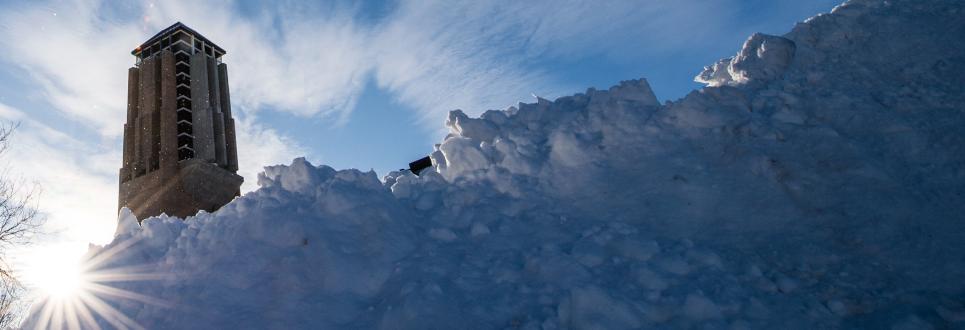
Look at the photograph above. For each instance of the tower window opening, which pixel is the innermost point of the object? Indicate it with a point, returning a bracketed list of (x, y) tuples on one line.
[(184, 115), (185, 127), (184, 90), (184, 102), (181, 48), (181, 57), (180, 36), (182, 67), (185, 153)]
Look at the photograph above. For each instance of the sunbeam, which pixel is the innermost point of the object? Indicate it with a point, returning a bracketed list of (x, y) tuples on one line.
[(71, 292)]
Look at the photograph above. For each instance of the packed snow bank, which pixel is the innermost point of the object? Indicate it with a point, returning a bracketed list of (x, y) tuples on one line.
[(817, 182)]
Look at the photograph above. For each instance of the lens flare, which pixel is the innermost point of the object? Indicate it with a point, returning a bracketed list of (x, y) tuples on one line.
[(72, 291)]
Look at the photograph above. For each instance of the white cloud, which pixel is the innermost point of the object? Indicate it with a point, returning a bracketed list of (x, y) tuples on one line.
[(78, 194), (451, 66), (259, 146), (80, 62)]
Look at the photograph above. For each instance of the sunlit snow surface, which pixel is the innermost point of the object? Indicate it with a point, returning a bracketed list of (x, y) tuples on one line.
[(819, 184)]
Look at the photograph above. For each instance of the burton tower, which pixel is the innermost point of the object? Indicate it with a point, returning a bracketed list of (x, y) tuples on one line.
[(180, 154)]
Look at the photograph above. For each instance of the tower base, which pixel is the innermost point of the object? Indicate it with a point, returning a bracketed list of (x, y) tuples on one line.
[(195, 185)]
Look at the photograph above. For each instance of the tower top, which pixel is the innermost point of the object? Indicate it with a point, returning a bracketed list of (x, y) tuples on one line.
[(178, 32)]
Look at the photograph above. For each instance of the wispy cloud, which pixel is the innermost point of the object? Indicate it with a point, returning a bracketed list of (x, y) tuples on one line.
[(74, 57), (477, 55)]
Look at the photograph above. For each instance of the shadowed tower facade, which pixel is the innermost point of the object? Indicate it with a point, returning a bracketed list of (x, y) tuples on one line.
[(180, 154)]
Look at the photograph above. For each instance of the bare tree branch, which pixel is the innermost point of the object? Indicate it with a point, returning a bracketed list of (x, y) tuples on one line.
[(19, 223)]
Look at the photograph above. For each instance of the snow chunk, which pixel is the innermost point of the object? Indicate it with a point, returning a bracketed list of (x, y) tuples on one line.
[(717, 74), (593, 308), (635, 90), (126, 223), (763, 58), (443, 234), (479, 229), (698, 307)]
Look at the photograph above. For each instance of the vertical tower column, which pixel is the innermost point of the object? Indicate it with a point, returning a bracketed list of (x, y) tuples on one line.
[(231, 146), (127, 167), (147, 103), (217, 116), (168, 118), (201, 109)]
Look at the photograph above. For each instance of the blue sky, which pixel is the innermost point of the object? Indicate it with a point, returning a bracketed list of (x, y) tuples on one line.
[(352, 85)]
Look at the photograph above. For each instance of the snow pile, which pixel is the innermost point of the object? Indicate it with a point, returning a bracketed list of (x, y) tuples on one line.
[(818, 181)]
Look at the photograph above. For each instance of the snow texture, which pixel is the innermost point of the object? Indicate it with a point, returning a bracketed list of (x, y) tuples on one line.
[(817, 182)]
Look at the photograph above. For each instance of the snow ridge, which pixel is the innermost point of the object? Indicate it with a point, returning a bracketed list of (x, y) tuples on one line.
[(817, 182)]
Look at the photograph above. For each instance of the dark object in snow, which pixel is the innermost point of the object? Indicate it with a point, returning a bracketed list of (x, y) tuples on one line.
[(419, 165)]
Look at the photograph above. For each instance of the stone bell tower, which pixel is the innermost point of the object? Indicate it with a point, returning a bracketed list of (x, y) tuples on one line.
[(180, 154)]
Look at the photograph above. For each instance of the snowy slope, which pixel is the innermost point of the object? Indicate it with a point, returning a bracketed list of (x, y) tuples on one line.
[(817, 182)]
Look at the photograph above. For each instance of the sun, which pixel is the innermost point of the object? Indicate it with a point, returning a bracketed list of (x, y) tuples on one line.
[(71, 290), (55, 272), (60, 280)]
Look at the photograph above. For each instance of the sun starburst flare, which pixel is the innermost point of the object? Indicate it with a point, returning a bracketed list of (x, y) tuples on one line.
[(72, 293)]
